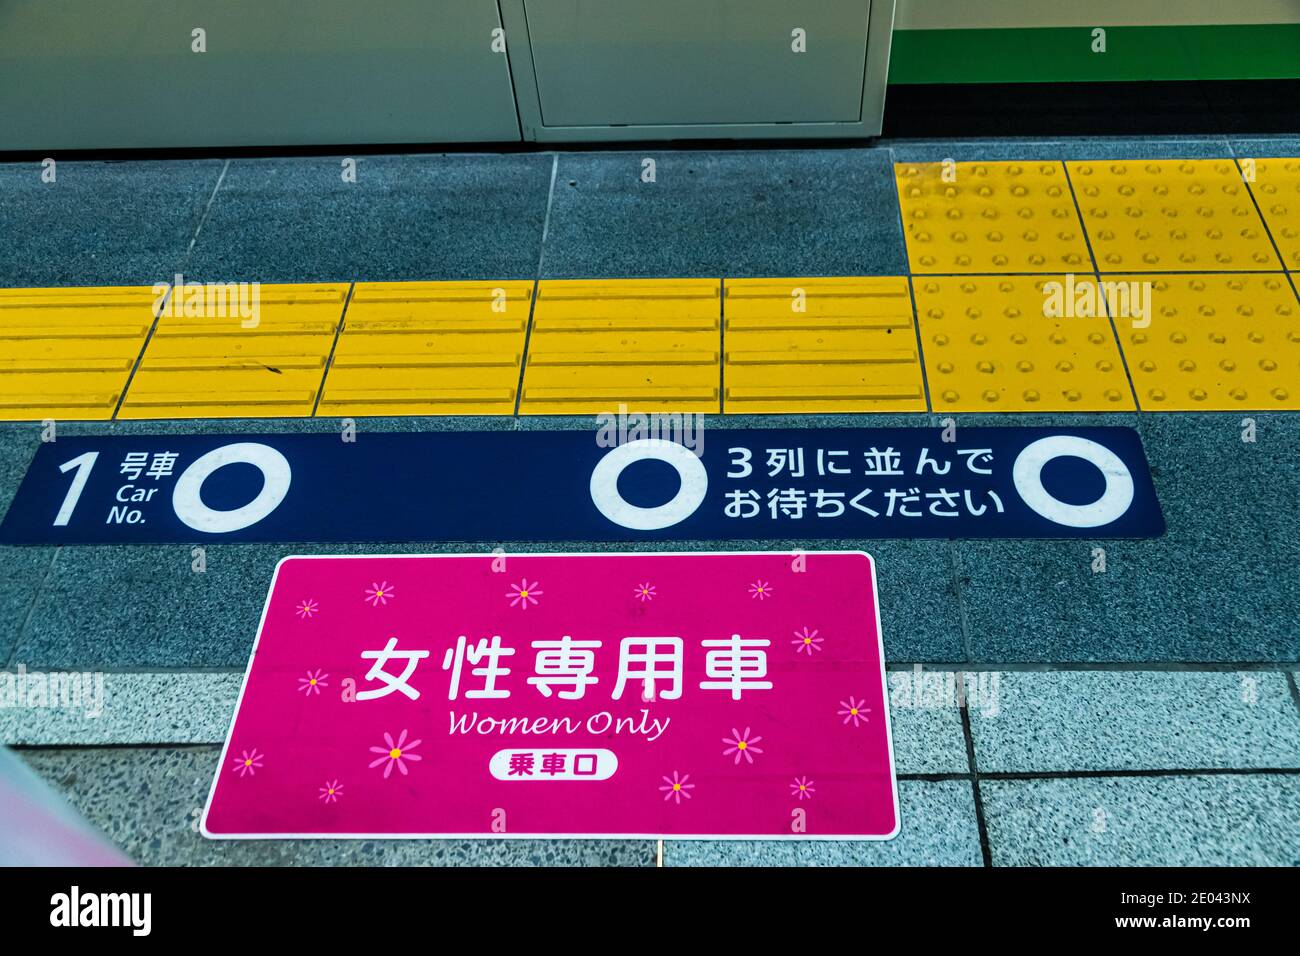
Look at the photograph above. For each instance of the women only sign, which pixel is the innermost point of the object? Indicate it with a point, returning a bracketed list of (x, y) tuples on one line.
[(612, 695)]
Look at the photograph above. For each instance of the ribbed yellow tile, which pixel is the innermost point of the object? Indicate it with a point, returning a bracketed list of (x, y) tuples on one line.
[(821, 345), (989, 217), (650, 344), (1170, 215), (67, 353), (215, 366), (429, 348), (990, 345), (1277, 190), (1216, 343)]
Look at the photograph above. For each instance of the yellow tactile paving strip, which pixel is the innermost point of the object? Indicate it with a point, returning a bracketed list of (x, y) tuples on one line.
[(198, 366), (1174, 215), (980, 217), (429, 348), (820, 345), (651, 344), (1277, 190), (1216, 342), (990, 346), (68, 353), (1191, 341)]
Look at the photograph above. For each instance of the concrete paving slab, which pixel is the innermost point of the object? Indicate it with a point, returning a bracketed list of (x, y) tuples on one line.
[(1213, 588), (419, 217), (1219, 820), (926, 722), (1143, 720), (939, 829), (149, 800), (103, 709), (935, 151), (727, 212), (100, 223)]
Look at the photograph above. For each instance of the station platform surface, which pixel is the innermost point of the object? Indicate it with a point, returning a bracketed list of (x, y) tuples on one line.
[(1145, 715)]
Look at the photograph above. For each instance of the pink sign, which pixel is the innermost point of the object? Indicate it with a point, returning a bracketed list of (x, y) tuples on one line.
[(612, 695)]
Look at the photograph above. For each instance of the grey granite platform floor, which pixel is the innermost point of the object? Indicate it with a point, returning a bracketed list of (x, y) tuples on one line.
[(1146, 715), (1027, 768)]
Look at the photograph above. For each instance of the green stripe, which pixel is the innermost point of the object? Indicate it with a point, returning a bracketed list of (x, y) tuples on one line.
[(1064, 54)]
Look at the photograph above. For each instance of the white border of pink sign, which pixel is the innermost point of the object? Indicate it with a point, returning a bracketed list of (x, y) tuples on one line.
[(624, 695)]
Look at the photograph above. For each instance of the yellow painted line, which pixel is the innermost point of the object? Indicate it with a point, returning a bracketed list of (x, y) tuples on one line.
[(989, 217), (1215, 342), (67, 353), (1171, 215), (989, 346), (652, 344), (429, 348), (1277, 190), (214, 366), (821, 345)]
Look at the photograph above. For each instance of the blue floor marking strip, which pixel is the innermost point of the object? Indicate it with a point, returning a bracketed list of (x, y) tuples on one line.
[(725, 484)]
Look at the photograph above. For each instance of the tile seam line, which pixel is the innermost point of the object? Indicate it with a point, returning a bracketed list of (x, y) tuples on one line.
[(1295, 690), (1096, 274), (956, 567), (920, 348), (31, 609), (1139, 773), (1109, 667), (722, 345), (981, 822), (1254, 201), (911, 288), (329, 358), (207, 210), (185, 259), (537, 285)]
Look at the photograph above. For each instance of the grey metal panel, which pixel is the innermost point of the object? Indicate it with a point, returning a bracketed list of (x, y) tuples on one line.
[(680, 62), (95, 74), (869, 89)]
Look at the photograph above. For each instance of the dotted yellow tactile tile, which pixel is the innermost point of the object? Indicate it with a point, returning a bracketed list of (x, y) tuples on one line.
[(206, 360), (989, 217), (1022, 344), (651, 344), (429, 348), (1173, 215), (820, 345), (68, 353), (1215, 342), (1277, 189)]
